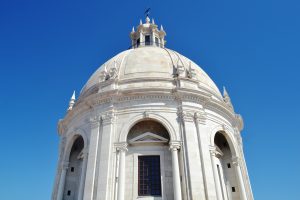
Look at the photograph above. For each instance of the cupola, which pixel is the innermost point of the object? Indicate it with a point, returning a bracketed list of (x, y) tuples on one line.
[(147, 34)]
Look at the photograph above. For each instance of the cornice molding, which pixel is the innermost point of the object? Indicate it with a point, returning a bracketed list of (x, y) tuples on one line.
[(208, 103)]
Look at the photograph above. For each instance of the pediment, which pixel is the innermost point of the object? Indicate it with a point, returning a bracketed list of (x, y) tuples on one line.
[(148, 137)]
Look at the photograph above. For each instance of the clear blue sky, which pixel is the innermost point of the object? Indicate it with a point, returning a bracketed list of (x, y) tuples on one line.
[(49, 48)]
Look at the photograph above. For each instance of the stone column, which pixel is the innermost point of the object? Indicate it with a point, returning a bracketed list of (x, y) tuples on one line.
[(83, 173), (92, 158), (195, 183), (121, 148), (215, 171), (200, 118), (105, 169), (174, 146), (239, 175), (60, 192)]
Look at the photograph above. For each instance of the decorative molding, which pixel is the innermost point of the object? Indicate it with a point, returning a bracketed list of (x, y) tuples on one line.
[(121, 146), (108, 117), (191, 72), (61, 127), (236, 161), (146, 114), (237, 136), (174, 145), (95, 121), (180, 70), (185, 116), (239, 122), (200, 116), (212, 150), (65, 165), (148, 138), (113, 72)]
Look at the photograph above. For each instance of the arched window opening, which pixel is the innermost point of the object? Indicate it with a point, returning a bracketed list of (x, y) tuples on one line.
[(226, 174), (148, 145), (74, 171), (148, 131)]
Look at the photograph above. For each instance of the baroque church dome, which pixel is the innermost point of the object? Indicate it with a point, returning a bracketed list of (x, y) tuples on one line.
[(150, 124)]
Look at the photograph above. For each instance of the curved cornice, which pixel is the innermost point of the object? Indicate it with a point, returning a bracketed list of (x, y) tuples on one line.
[(114, 97)]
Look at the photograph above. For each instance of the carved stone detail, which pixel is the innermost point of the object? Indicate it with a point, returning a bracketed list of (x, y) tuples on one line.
[(191, 72), (180, 70), (121, 146), (174, 145), (200, 117), (185, 116), (95, 121), (113, 72), (65, 165), (108, 117), (236, 161), (146, 114)]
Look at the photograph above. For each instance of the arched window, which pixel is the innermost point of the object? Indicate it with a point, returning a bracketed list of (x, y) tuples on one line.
[(226, 174), (74, 171), (148, 142)]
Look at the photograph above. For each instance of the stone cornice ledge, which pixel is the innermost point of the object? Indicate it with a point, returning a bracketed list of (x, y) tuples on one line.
[(117, 96)]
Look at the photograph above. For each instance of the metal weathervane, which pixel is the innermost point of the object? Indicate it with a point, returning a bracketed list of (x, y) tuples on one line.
[(147, 12)]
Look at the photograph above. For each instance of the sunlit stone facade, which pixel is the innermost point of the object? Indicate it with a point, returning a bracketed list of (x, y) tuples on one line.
[(151, 124)]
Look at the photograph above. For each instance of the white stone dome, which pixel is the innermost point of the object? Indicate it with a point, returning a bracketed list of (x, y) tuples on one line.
[(150, 64)]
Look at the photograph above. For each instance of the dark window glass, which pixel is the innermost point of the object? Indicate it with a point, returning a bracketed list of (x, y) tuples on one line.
[(228, 165), (147, 39), (69, 192), (72, 169), (233, 189), (149, 183)]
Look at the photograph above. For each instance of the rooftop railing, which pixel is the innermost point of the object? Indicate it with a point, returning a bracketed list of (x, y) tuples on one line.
[(143, 44)]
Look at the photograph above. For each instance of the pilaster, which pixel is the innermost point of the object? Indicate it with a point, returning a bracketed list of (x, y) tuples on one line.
[(122, 149), (192, 155), (89, 188), (105, 178)]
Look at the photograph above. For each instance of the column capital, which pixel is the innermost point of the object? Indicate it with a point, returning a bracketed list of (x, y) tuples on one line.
[(236, 161), (215, 151), (121, 146), (108, 117), (65, 165), (185, 116), (212, 150), (95, 121), (200, 117), (174, 145)]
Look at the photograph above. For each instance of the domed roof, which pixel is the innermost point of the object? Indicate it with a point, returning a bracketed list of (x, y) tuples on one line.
[(149, 65), (151, 62)]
